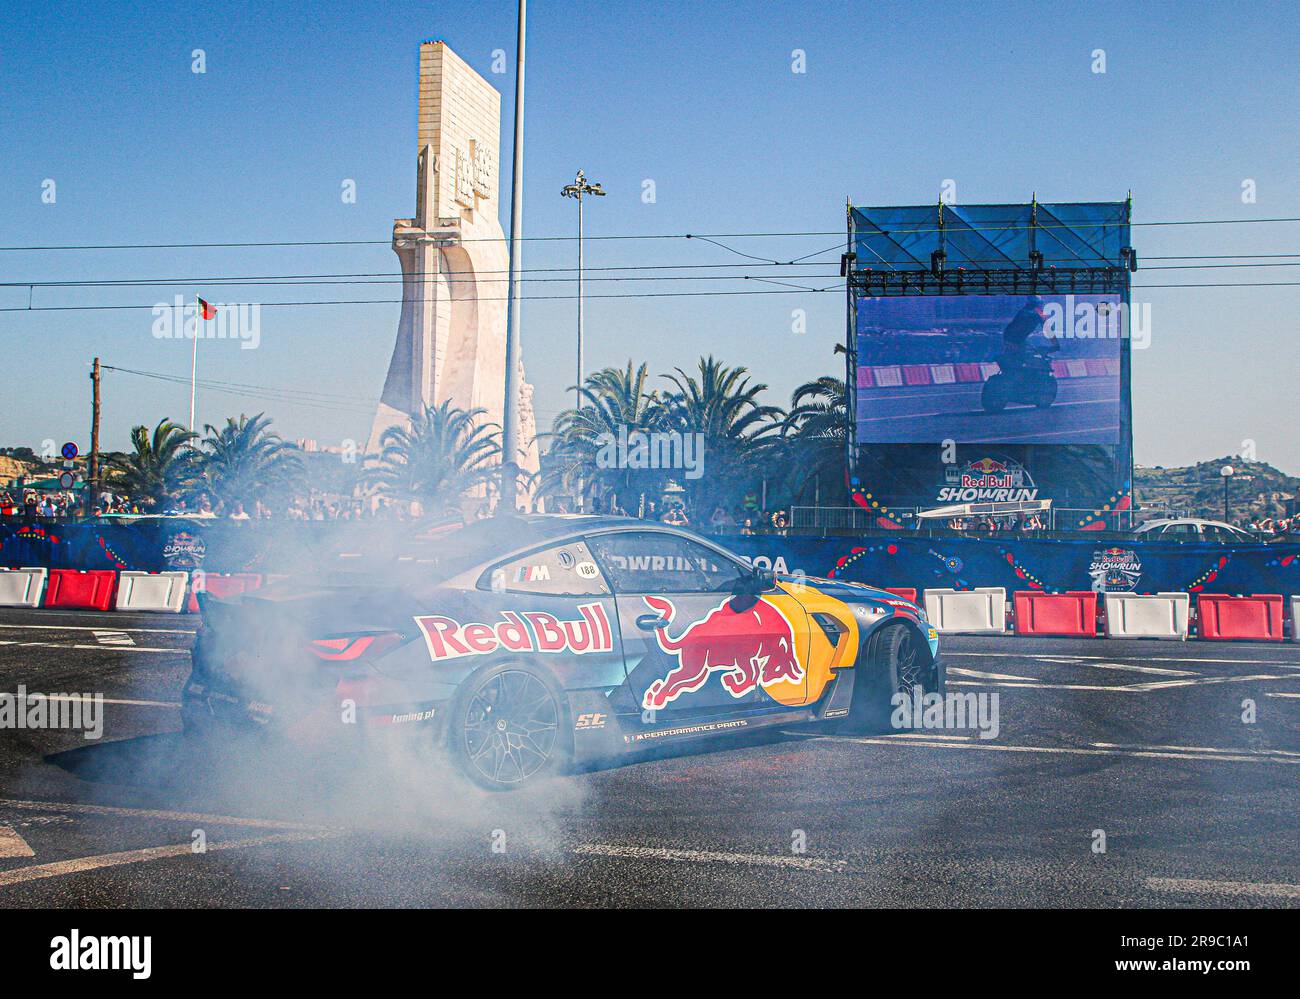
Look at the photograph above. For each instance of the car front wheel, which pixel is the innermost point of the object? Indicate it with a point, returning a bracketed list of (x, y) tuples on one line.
[(897, 661)]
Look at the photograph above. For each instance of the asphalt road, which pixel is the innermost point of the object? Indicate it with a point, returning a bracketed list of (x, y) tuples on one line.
[(1086, 411), (1144, 742)]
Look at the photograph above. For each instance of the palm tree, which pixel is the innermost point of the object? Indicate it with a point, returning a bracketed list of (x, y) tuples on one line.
[(737, 432), (244, 462), (817, 430), (614, 405), (159, 468), (442, 456)]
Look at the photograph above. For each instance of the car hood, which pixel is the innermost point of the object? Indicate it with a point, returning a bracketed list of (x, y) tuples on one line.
[(854, 593)]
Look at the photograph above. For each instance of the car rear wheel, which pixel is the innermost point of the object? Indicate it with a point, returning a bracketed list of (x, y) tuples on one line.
[(508, 727), (897, 660)]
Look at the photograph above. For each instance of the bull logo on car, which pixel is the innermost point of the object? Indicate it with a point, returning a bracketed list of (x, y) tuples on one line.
[(754, 645)]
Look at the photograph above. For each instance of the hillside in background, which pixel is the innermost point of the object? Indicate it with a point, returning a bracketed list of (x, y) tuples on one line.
[(1256, 491)]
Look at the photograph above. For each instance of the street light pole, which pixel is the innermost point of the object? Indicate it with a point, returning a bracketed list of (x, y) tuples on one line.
[(1227, 471), (577, 190), (577, 394), (508, 503)]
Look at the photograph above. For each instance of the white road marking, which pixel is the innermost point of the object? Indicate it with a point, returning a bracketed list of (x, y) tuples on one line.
[(1143, 669), (1200, 681), (1128, 688), (991, 676), (1200, 749), (1221, 756), (13, 845), (833, 866), (1055, 658), (1037, 686), (81, 865), (78, 627), (930, 735), (1271, 694), (93, 648), (75, 808), (113, 638), (1200, 887), (711, 857)]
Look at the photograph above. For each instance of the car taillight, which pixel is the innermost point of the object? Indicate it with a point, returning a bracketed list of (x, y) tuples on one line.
[(349, 648)]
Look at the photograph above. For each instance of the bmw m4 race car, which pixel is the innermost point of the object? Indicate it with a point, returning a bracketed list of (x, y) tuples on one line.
[(526, 645)]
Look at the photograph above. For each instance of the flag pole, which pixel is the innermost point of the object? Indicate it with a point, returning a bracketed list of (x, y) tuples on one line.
[(194, 358)]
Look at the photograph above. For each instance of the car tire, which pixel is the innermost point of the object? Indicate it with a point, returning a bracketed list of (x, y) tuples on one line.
[(897, 658), (509, 727), (1046, 395), (993, 396)]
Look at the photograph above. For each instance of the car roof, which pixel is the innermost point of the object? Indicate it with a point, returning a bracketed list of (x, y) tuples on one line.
[(1169, 521), (495, 539), (1188, 520)]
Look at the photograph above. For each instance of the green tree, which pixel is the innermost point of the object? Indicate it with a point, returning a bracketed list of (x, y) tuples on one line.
[(739, 434), (614, 405), (160, 467), (244, 462), (442, 456), (816, 431)]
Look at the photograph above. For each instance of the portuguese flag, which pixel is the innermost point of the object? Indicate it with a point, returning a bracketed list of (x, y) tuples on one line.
[(207, 310)]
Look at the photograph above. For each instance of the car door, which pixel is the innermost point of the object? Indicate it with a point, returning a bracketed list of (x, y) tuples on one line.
[(694, 647)]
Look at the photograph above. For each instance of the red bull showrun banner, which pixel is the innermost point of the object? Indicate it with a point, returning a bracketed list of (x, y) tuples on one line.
[(990, 350)]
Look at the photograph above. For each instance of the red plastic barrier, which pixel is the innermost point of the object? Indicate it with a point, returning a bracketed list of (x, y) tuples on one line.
[(1073, 613), (76, 589), (906, 592), (224, 586), (1224, 618)]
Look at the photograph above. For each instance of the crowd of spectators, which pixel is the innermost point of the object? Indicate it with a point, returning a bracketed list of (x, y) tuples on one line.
[(38, 503), (1275, 525), (31, 504), (1018, 523)]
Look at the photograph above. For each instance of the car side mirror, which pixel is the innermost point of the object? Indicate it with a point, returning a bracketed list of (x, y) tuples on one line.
[(759, 580)]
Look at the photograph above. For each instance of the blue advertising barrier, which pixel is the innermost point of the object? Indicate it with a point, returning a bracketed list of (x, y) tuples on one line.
[(946, 563), (1033, 564), (154, 545)]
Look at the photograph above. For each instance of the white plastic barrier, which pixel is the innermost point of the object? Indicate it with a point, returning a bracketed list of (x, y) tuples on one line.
[(982, 610), (1150, 615), (22, 587), (1295, 619), (151, 591)]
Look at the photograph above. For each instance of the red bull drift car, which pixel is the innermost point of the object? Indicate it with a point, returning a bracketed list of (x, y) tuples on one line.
[(529, 644)]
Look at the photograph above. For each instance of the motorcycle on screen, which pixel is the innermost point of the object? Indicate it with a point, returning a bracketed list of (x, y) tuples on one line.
[(1025, 379)]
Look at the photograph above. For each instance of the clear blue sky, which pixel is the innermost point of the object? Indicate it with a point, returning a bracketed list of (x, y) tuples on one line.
[(699, 98)]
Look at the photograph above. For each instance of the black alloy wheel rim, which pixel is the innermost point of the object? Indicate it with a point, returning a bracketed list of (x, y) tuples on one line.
[(910, 667), (511, 727)]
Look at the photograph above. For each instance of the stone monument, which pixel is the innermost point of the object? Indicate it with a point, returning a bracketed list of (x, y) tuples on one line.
[(452, 335)]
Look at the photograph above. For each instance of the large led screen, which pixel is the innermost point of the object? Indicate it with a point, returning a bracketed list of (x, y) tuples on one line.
[(990, 369)]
